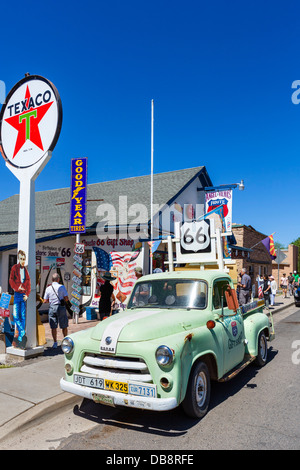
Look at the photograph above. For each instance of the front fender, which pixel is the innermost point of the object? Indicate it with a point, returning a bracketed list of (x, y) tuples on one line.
[(197, 347), (253, 325)]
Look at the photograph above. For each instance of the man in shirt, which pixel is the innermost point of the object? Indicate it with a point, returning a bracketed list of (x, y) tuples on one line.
[(291, 283), (57, 313), (19, 281), (245, 287), (296, 277)]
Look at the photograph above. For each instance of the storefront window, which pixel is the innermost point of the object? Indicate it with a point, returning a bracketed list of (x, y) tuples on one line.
[(86, 273)]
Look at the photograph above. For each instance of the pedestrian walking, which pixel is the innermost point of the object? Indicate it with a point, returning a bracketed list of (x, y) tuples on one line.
[(291, 280), (296, 278), (267, 290), (273, 290), (284, 285), (57, 296), (107, 297)]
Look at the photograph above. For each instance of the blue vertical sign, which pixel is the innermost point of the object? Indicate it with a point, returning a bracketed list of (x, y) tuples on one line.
[(78, 195)]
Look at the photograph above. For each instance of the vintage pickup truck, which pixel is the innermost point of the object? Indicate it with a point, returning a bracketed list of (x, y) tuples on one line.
[(180, 331)]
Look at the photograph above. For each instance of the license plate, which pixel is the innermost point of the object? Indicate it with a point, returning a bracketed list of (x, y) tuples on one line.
[(139, 389), (116, 386), (95, 382), (103, 384), (142, 390), (103, 399)]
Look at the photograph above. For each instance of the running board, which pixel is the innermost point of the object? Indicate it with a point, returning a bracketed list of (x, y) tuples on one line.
[(238, 369)]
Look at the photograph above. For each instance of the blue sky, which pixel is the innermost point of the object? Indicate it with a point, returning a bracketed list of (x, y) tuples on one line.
[(220, 74)]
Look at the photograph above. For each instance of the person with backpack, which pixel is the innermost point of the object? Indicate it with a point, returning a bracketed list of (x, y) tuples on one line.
[(57, 296)]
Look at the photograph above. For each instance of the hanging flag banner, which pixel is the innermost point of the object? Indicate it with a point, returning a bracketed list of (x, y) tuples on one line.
[(268, 242), (214, 199), (78, 195)]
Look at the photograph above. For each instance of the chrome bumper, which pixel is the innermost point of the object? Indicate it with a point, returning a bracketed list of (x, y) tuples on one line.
[(119, 399)]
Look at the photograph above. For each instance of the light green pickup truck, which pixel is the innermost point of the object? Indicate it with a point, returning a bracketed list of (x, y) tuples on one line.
[(180, 331)]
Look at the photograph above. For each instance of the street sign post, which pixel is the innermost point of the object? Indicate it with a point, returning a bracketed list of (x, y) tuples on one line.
[(280, 256)]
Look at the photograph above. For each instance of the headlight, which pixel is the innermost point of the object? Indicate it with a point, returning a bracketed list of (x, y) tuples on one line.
[(164, 356), (67, 345)]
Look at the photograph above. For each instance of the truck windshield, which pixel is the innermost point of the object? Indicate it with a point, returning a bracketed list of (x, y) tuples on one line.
[(183, 293)]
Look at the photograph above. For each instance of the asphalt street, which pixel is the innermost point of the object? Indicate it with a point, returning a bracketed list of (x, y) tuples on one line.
[(31, 399)]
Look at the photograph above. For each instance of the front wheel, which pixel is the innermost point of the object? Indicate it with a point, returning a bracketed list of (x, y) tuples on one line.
[(262, 350), (197, 398)]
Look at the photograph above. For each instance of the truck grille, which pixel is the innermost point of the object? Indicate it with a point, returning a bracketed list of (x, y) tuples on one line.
[(116, 368)]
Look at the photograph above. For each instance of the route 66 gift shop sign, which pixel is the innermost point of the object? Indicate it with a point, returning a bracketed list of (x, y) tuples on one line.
[(30, 121)]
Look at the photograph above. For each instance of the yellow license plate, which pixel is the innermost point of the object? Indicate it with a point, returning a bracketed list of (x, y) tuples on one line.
[(116, 386)]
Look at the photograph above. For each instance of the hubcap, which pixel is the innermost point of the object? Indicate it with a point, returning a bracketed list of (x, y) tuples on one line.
[(201, 389)]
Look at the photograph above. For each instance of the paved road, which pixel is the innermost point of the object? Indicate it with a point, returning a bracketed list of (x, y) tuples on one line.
[(257, 410)]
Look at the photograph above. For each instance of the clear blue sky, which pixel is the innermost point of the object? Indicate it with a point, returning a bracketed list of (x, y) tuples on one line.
[(220, 74)]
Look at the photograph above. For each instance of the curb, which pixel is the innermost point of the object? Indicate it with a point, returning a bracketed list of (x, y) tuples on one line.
[(279, 309), (37, 413)]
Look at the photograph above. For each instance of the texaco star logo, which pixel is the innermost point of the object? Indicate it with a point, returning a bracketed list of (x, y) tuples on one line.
[(30, 121), (27, 122)]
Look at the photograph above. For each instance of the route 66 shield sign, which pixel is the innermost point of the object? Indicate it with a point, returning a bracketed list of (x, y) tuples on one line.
[(234, 328), (195, 237)]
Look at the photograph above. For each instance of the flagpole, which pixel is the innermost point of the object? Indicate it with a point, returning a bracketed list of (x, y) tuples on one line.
[(152, 151)]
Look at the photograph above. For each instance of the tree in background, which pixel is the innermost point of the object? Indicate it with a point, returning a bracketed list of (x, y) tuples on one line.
[(279, 246)]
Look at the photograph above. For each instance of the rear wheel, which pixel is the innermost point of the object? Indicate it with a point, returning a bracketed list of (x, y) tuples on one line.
[(197, 398), (262, 350)]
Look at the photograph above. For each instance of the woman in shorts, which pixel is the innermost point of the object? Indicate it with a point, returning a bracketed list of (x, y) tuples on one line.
[(284, 285)]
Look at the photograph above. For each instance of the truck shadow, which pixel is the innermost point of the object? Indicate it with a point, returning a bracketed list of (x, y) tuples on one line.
[(172, 423)]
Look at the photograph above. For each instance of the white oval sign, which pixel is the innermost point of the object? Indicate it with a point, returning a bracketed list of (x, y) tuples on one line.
[(30, 121)]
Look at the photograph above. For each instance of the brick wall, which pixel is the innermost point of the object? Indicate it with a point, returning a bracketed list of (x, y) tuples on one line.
[(289, 265)]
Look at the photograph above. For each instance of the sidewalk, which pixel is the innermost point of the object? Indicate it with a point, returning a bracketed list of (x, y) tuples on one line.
[(30, 389)]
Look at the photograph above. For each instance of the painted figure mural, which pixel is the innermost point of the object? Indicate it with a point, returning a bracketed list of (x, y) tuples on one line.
[(19, 281)]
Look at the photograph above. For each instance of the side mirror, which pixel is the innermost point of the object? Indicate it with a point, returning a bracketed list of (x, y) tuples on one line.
[(231, 298)]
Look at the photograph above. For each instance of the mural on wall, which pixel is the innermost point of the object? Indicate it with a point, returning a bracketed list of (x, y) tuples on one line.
[(121, 265)]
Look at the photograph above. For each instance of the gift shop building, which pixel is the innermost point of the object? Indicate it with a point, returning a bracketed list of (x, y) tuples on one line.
[(118, 226)]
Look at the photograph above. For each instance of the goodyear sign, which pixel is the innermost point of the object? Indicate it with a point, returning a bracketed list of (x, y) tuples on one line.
[(78, 195)]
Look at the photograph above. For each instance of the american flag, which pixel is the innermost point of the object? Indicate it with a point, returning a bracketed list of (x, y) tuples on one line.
[(104, 259), (124, 264)]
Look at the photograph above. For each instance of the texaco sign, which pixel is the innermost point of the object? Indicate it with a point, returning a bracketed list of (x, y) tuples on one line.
[(30, 121)]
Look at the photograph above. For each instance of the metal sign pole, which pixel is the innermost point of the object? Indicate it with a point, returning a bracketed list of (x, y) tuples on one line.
[(26, 235)]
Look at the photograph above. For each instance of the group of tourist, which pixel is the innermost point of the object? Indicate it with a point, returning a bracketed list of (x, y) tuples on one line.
[(267, 286)]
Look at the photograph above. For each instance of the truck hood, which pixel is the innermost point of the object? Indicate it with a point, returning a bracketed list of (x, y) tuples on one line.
[(140, 325)]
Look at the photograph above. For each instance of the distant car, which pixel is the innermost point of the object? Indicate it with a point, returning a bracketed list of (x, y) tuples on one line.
[(297, 297)]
